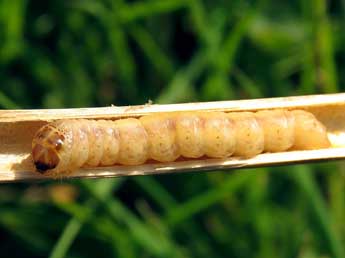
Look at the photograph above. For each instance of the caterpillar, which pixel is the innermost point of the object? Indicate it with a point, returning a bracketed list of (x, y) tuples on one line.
[(63, 146)]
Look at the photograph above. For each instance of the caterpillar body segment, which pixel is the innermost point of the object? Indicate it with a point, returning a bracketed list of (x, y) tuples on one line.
[(309, 132), (64, 146), (219, 135), (162, 135), (279, 129), (189, 134), (134, 142), (96, 139), (249, 134), (111, 143)]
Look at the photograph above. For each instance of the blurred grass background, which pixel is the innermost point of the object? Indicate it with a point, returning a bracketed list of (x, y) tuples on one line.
[(96, 53)]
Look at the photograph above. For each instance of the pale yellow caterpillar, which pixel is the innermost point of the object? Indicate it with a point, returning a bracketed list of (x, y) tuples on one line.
[(63, 146)]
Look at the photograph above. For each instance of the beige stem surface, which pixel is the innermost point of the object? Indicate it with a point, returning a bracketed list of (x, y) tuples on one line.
[(17, 128)]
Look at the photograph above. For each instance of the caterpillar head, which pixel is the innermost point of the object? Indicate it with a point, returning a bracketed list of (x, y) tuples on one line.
[(45, 148)]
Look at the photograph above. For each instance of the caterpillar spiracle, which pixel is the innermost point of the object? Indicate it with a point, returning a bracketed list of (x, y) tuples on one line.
[(63, 146)]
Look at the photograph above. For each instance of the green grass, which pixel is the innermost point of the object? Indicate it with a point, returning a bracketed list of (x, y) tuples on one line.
[(96, 53)]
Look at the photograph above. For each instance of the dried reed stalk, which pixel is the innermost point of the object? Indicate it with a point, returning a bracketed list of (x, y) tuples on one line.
[(17, 128)]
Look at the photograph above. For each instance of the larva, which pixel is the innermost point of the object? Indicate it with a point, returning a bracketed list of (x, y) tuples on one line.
[(66, 145)]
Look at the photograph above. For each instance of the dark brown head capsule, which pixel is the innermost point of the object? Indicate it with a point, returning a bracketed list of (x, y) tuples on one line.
[(45, 148)]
